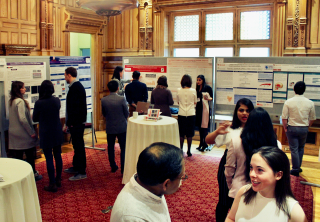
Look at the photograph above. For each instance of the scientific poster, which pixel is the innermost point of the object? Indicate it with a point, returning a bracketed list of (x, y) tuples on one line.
[(2, 69), (31, 74)]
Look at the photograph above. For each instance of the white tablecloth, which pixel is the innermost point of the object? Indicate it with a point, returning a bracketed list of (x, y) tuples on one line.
[(142, 133), (19, 200)]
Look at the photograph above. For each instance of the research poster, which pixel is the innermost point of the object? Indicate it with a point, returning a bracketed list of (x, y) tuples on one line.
[(2, 69), (58, 66), (252, 81), (31, 74), (149, 74)]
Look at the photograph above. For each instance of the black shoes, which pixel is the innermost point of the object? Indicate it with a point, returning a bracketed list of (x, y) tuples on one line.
[(58, 182), (189, 154), (294, 173), (204, 148), (199, 148), (300, 170), (51, 188), (114, 169)]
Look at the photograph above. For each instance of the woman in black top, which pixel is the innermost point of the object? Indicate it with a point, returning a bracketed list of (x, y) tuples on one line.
[(47, 113), (204, 96), (117, 75)]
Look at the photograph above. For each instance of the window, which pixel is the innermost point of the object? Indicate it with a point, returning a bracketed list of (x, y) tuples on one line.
[(221, 32), (186, 52), (254, 52), (219, 52), (186, 28)]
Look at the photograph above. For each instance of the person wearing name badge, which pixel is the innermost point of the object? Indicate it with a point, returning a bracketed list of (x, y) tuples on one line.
[(222, 136), (187, 100), (117, 75), (204, 98), (22, 136), (161, 97), (269, 196), (47, 112)]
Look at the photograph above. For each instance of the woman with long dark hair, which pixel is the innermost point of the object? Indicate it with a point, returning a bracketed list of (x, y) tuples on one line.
[(187, 99), (117, 75), (161, 97), (257, 132), (47, 113), (269, 196), (22, 136), (222, 136), (204, 96)]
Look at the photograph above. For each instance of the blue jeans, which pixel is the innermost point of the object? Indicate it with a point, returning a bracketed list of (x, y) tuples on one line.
[(297, 136), (49, 159)]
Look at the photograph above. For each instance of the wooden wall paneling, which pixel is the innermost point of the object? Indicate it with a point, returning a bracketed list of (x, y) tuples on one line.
[(302, 23), (50, 25), (135, 28), (24, 38), (4, 37), (23, 10), (142, 27), (43, 25), (14, 9), (70, 3), (118, 32), (4, 8), (15, 38), (313, 22), (127, 33), (33, 11), (289, 28), (33, 39), (111, 33), (279, 29)]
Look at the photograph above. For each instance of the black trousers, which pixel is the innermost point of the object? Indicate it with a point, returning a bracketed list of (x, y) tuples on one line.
[(225, 202), (50, 166), (30, 155), (122, 142), (79, 158)]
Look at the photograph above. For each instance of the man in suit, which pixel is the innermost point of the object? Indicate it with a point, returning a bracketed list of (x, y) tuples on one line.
[(76, 116), (136, 91), (297, 115), (115, 110)]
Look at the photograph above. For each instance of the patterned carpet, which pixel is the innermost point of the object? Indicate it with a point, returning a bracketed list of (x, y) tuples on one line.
[(83, 200)]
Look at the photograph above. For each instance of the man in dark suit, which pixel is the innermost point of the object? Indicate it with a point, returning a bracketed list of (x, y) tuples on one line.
[(76, 116), (136, 91), (115, 110)]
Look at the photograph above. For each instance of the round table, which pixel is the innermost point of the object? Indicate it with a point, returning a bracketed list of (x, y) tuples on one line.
[(141, 133), (18, 193)]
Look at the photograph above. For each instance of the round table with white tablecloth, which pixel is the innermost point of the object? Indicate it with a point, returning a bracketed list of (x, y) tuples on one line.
[(18, 193), (141, 133)]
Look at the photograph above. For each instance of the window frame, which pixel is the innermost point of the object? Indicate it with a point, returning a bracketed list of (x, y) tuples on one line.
[(255, 46), (236, 43)]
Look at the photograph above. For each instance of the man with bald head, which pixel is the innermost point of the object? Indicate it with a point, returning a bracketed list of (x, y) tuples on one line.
[(160, 170)]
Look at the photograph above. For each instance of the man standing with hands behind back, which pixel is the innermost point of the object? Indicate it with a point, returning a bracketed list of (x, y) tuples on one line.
[(76, 116), (115, 110), (136, 91), (297, 115)]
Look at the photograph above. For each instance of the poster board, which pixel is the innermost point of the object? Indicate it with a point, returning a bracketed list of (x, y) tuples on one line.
[(58, 65), (268, 82), (174, 68)]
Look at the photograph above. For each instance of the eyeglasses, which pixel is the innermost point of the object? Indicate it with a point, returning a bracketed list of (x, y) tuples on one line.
[(184, 177)]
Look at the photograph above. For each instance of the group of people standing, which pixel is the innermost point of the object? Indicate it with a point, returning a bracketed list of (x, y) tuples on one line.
[(23, 137)]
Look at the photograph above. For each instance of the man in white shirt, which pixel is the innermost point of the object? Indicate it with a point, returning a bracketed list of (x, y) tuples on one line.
[(160, 170), (297, 115)]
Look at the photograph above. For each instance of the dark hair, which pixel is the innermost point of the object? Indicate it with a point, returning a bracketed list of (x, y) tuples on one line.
[(257, 132), (72, 71), (203, 82), (46, 89), (162, 81), (186, 81), (16, 93), (136, 74), (299, 87), (236, 123), (113, 85), (278, 161), (116, 73), (159, 162)]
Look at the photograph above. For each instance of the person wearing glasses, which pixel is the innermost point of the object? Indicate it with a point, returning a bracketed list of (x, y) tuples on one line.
[(160, 170)]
